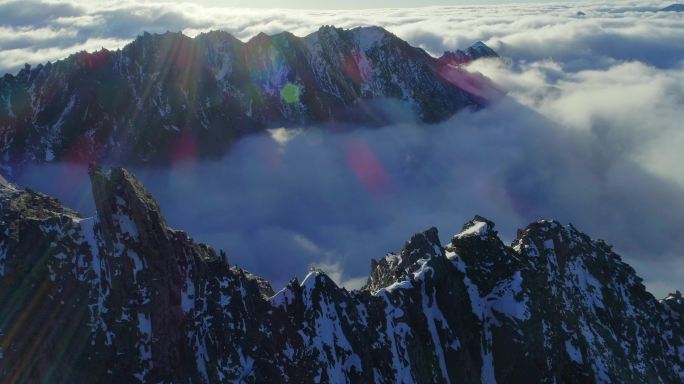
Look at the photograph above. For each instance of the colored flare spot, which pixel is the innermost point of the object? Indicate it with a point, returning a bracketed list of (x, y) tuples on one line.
[(184, 148), (290, 93), (368, 169)]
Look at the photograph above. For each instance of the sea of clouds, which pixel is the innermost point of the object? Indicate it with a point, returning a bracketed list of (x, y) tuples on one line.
[(591, 134)]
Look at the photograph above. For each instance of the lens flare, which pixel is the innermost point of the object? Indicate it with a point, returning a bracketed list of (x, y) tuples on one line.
[(290, 93), (184, 149), (368, 169)]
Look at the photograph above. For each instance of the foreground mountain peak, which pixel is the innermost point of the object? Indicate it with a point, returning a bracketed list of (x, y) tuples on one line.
[(123, 204), (131, 299)]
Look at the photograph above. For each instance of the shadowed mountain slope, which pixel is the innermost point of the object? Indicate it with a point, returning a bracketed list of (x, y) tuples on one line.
[(168, 98), (121, 297)]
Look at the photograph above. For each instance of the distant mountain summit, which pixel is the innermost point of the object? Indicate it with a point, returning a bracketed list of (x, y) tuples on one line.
[(121, 297), (168, 97), (476, 51), (673, 8)]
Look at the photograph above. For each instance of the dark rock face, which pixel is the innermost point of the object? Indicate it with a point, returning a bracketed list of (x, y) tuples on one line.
[(396, 267), (122, 297), (166, 98)]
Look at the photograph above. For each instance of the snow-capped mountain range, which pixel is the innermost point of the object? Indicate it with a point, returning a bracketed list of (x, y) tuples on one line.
[(122, 297), (168, 97)]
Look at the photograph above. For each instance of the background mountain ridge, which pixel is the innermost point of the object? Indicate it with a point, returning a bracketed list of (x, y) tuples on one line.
[(165, 98)]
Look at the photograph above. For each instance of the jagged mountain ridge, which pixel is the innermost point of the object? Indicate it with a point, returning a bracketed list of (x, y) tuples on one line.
[(122, 297), (169, 97)]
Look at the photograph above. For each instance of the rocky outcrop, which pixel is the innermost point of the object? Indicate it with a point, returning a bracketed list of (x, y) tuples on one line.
[(169, 98), (397, 267), (121, 297), (477, 51)]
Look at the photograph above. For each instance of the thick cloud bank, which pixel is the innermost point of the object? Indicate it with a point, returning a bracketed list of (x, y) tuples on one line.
[(591, 134), (336, 200), (35, 31)]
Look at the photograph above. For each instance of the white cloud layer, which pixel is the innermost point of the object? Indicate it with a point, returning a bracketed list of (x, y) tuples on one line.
[(36, 31), (592, 135)]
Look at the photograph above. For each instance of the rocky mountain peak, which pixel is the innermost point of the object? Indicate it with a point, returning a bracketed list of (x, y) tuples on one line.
[(395, 267), (478, 50), (259, 39), (486, 258), (478, 227), (421, 245), (369, 36), (317, 279), (265, 287), (676, 296), (16, 202), (6, 185), (675, 302), (124, 206)]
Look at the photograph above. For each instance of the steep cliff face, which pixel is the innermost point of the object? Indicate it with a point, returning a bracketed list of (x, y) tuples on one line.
[(121, 297), (166, 98)]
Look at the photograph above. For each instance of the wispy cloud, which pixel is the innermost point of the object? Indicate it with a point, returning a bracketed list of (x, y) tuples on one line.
[(279, 208)]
